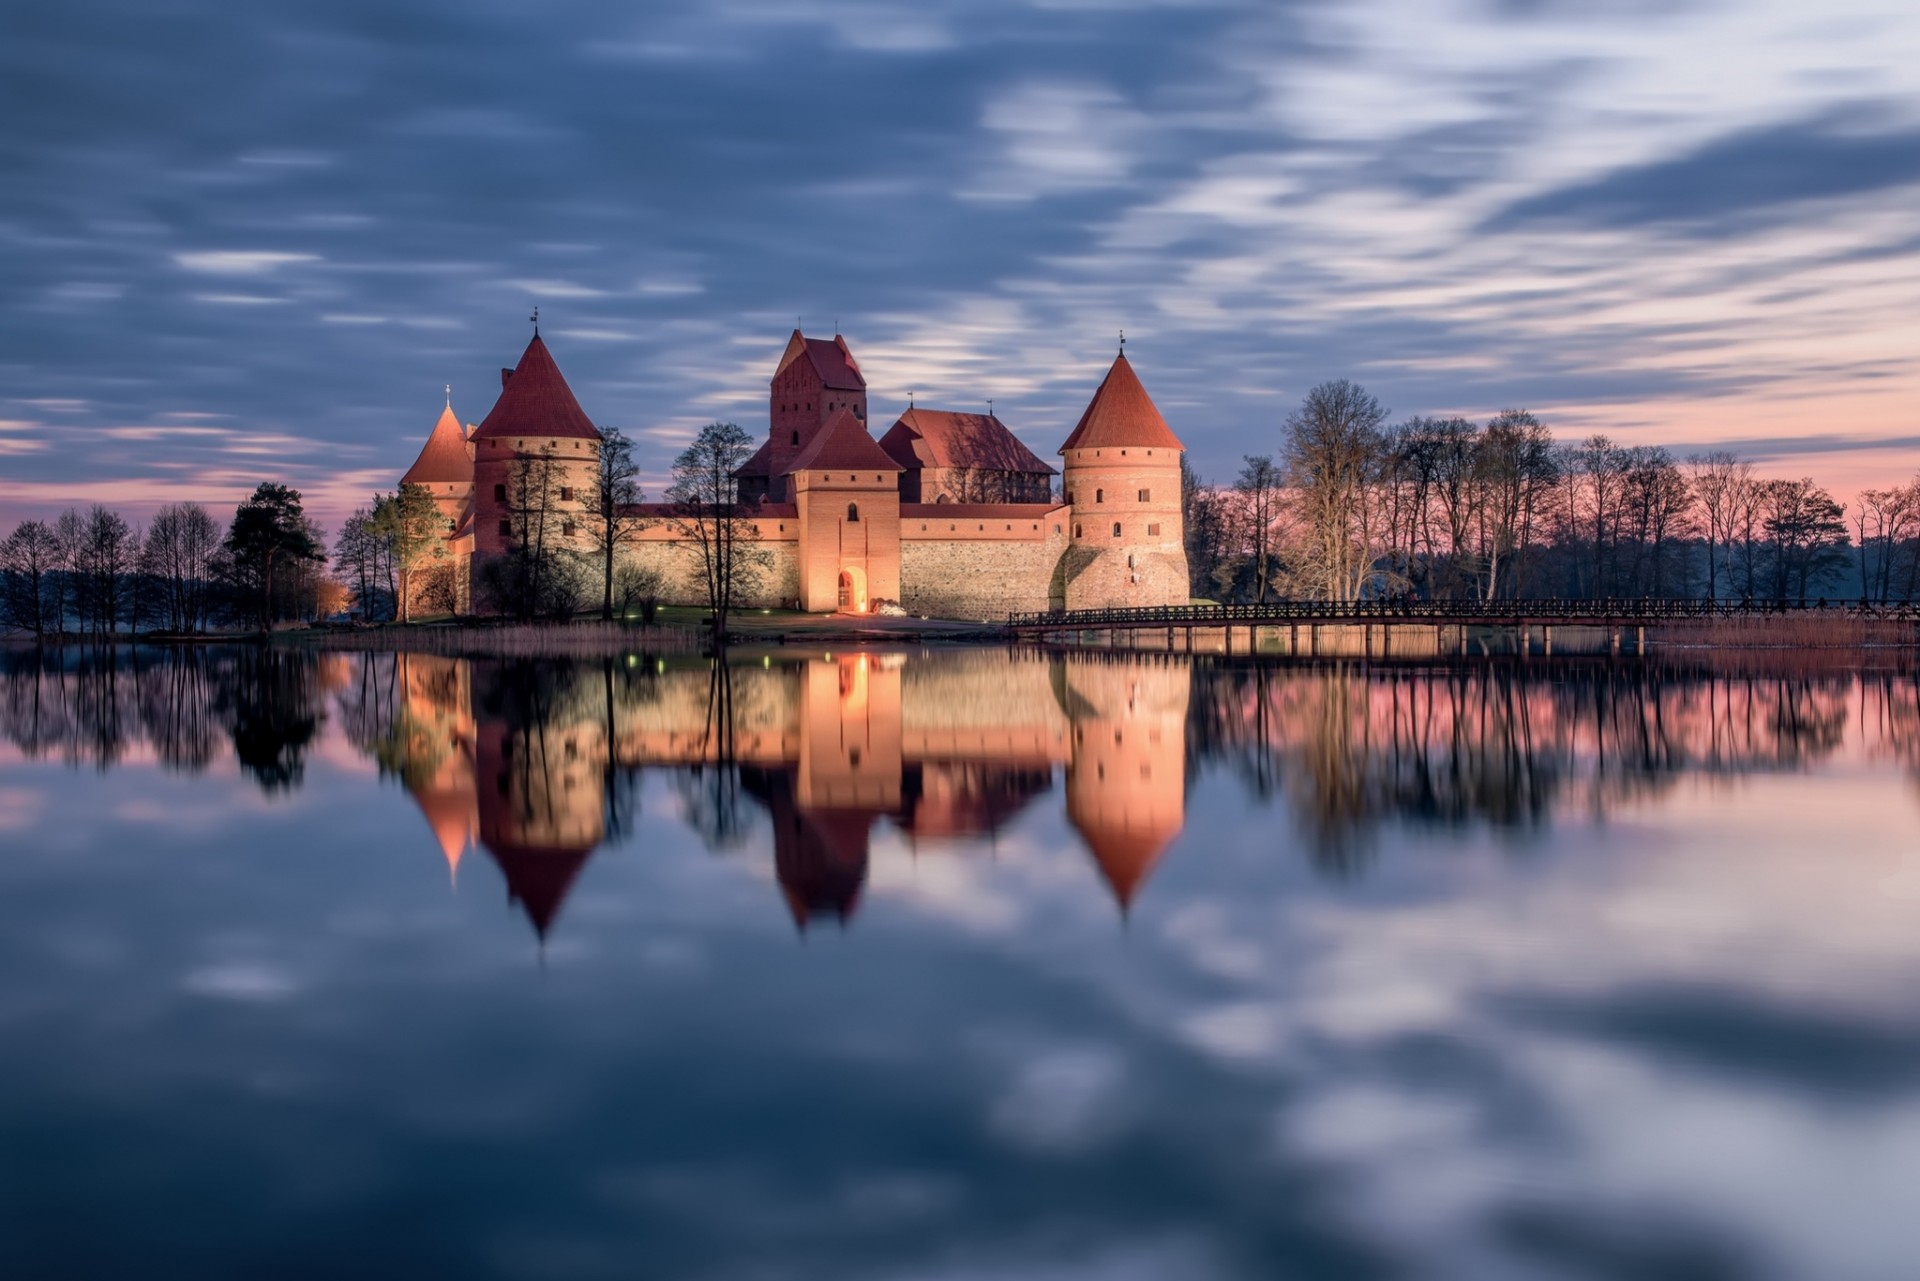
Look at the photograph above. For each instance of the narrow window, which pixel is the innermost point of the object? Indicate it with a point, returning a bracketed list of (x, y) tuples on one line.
[(1099, 495), (1076, 531), (1153, 531), (853, 513), (566, 529), (506, 529), (499, 493), (1116, 529), (566, 493), (796, 438), (1146, 495)]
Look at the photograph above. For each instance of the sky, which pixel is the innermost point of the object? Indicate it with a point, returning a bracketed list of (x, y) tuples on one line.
[(241, 243)]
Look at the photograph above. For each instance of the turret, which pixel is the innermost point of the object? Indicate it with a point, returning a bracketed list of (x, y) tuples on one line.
[(816, 379), (536, 421), (1122, 477)]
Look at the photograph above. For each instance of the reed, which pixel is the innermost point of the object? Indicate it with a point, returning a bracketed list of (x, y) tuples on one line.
[(1823, 629), (586, 638)]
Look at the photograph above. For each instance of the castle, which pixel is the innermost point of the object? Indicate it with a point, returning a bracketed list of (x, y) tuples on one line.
[(948, 514)]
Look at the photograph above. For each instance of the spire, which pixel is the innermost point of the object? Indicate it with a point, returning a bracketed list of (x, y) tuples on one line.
[(443, 459), (536, 401), (1121, 414)]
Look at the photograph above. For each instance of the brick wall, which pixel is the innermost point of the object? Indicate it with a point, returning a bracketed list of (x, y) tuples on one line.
[(977, 578)]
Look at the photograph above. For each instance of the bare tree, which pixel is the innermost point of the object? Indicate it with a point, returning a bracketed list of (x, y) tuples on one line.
[(103, 567), (31, 560), (1331, 450), (611, 519), (356, 556), (178, 555), (707, 513), (1260, 489), (1719, 482)]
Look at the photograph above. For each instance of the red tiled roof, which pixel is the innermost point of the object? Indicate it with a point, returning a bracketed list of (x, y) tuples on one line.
[(1121, 413), (984, 511), (443, 459), (831, 360), (843, 445), (937, 438), (536, 402), (759, 464)]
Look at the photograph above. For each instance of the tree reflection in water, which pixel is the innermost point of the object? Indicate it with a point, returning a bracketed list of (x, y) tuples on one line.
[(539, 762)]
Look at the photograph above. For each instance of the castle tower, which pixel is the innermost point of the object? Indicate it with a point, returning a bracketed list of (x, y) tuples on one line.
[(815, 380), (445, 466), (445, 470), (536, 430), (848, 493), (1122, 478)]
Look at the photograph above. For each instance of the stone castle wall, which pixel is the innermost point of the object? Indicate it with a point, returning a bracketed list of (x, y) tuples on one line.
[(682, 581), (979, 578)]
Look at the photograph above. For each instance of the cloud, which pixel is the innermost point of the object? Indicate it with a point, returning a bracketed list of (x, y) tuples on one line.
[(1466, 204), (240, 262), (1753, 175)]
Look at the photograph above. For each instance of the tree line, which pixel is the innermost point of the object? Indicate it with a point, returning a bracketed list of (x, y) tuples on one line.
[(1352, 506), (95, 575)]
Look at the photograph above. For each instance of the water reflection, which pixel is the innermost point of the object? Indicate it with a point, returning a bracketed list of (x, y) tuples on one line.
[(539, 762), (1345, 1030)]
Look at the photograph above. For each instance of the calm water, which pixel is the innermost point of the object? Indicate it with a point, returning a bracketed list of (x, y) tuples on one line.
[(945, 967)]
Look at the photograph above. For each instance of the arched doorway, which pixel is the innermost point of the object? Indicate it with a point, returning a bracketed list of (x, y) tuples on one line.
[(853, 591)]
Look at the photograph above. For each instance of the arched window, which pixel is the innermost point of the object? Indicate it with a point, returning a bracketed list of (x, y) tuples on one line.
[(853, 513), (1116, 529)]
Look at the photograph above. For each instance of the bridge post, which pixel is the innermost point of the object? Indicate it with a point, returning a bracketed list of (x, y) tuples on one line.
[(1293, 640), (1613, 640), (1640, 641), (1546, 640)]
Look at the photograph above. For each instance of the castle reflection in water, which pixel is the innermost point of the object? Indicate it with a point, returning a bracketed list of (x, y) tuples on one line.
[(538, 763), (529, 762)]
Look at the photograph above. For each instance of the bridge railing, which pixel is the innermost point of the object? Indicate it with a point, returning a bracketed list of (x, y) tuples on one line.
[(1626, 610)]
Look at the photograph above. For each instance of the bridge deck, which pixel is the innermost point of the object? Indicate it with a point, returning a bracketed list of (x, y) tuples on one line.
[(1492, 613)]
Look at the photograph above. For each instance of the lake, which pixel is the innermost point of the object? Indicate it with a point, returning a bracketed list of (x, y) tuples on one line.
[(956, 965)]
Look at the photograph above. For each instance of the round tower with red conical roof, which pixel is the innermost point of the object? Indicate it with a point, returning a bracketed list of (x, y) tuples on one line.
[(535, 456), (1122, 479)]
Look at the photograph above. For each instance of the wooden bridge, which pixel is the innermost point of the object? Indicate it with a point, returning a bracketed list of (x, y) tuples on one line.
[(1433, 627)]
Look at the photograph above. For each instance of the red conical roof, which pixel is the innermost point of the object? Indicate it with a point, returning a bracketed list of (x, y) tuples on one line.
[(443, 459), (1121, 413), (536, 401), (1125, 857), (843, 445)]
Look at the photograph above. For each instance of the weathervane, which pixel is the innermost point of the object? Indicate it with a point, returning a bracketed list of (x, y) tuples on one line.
[(449, 395), (1123, 342), (535, 318), (989, 406)]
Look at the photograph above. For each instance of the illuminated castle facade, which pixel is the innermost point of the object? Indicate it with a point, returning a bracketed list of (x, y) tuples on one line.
[(948, 514)]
